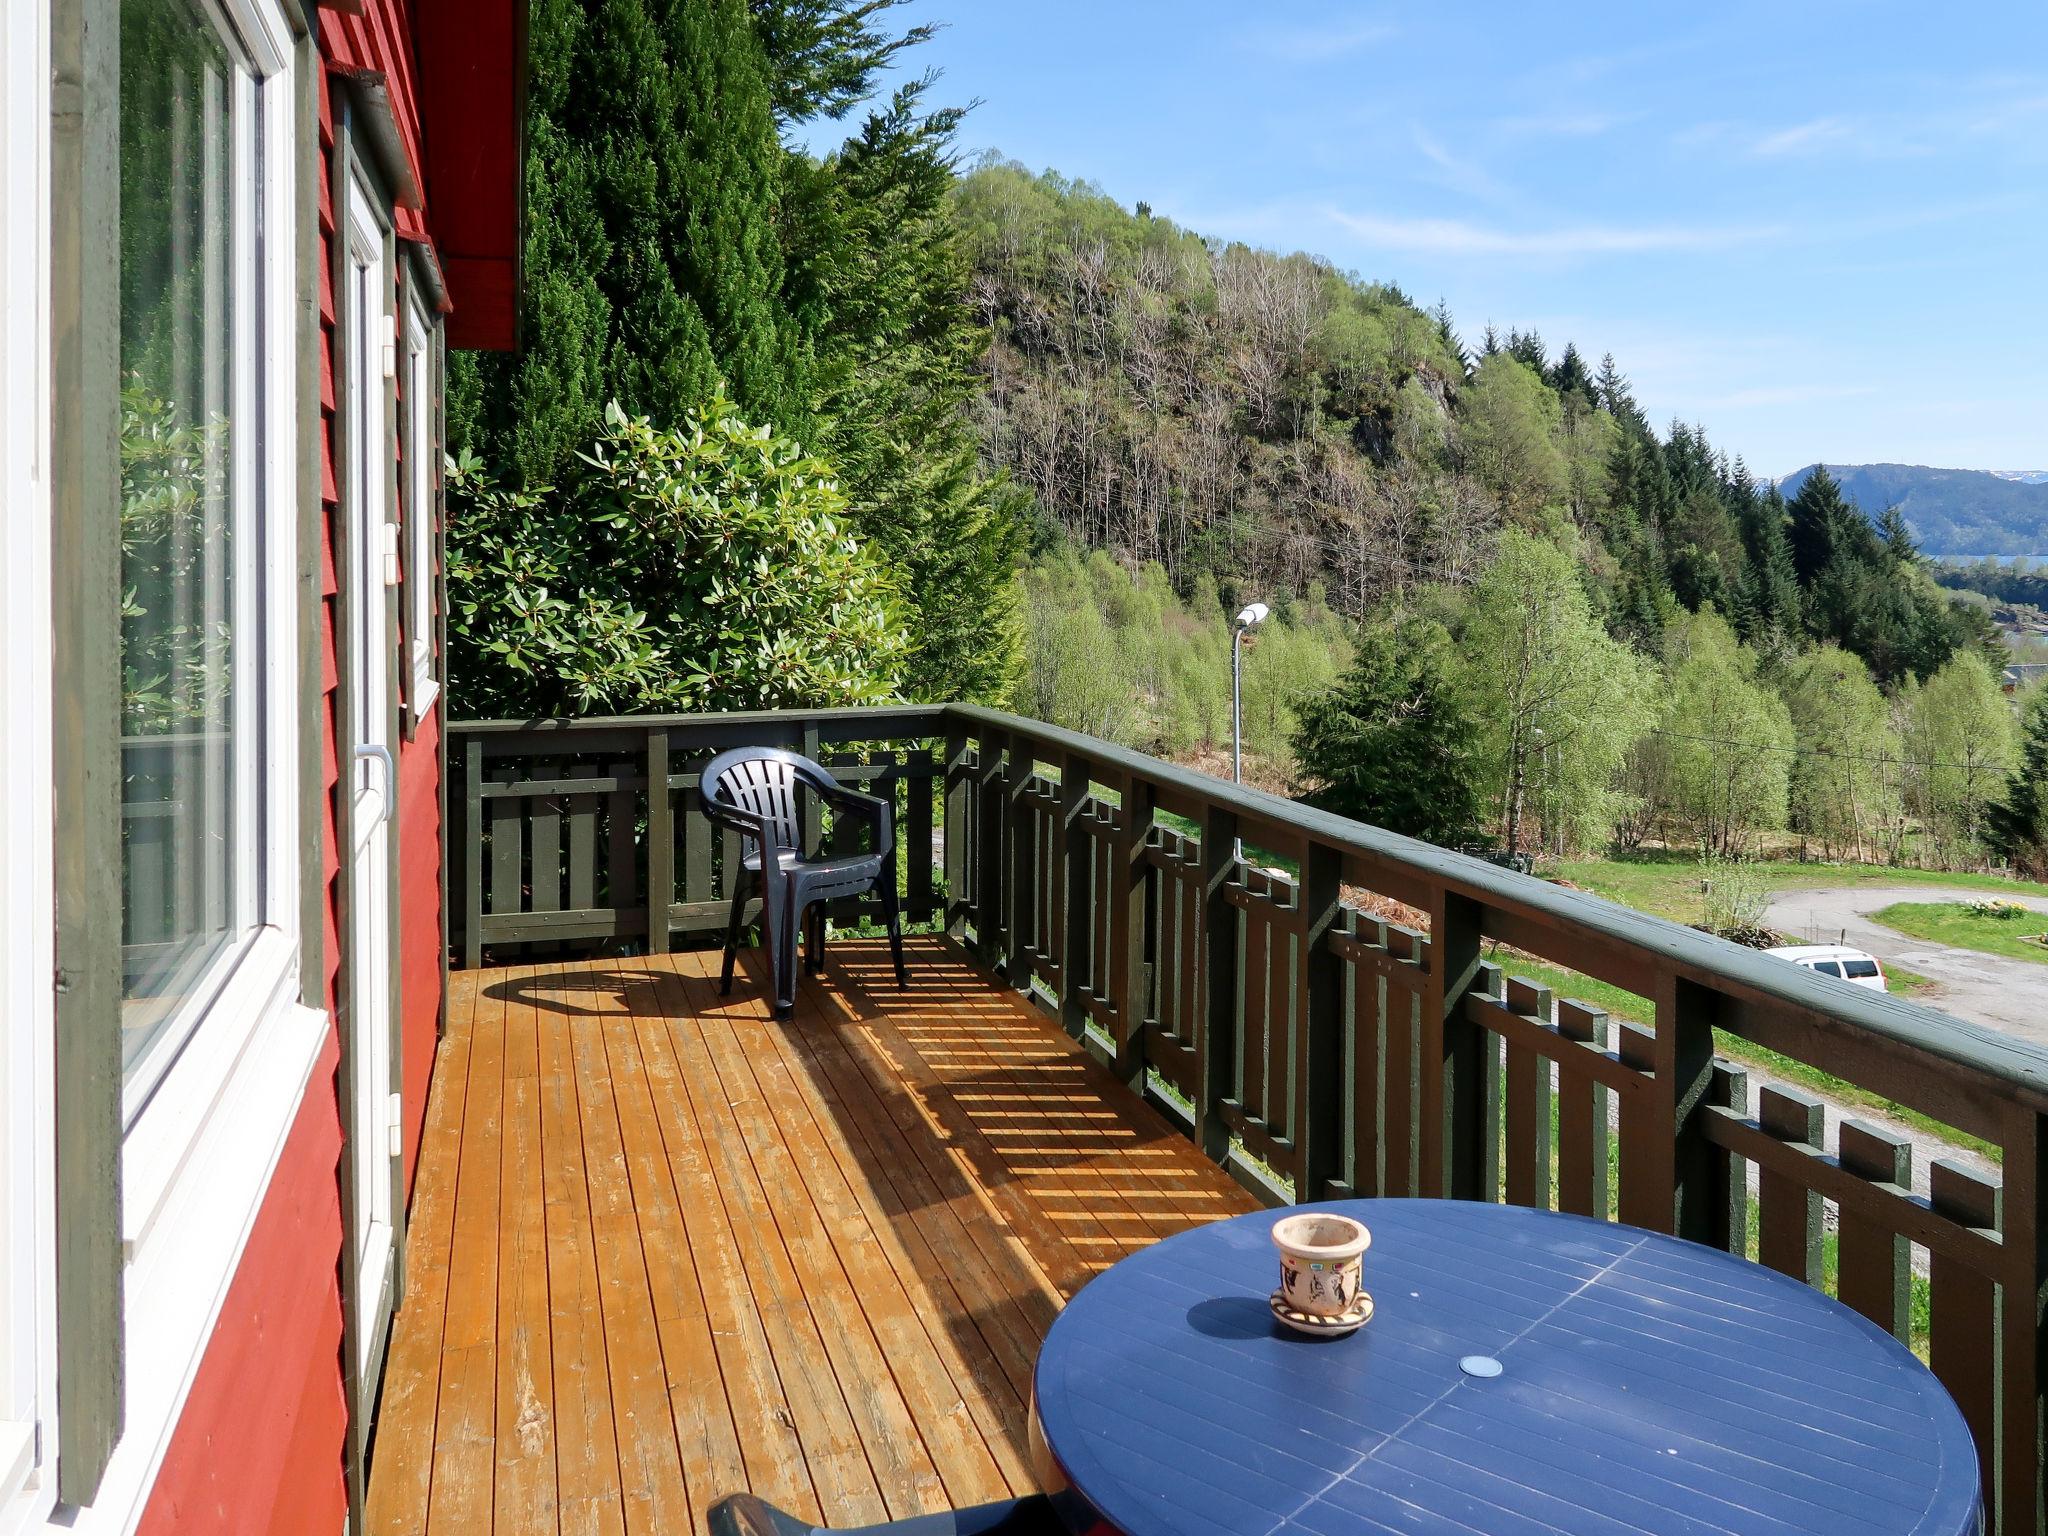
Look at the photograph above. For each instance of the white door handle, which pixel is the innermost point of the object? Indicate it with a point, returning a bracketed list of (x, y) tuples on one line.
[(378, 752)]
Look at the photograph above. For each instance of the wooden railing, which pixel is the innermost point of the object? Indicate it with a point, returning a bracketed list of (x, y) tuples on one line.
[(1316, 1052)]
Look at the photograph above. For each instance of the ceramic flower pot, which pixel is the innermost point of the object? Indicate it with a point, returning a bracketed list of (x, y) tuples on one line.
[(1320, 1266)]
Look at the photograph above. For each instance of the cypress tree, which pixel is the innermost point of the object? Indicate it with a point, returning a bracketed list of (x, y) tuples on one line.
[(653, 264)]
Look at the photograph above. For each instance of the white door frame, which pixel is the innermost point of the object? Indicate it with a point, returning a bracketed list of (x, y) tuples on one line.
[(370, 1096)]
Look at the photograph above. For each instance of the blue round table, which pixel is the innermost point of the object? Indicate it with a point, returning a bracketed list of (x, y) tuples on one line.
[(1645, 1385)]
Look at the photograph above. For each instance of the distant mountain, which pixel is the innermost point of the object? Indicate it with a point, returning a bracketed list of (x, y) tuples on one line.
[(1951, 511)]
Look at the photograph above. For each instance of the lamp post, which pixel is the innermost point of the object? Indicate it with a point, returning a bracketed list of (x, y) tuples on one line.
[(1249, 618)]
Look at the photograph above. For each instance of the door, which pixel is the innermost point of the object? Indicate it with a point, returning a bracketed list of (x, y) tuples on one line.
[(374, 1120)]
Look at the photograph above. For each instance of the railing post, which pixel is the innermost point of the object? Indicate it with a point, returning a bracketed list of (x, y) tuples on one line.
[(959, 800), (661, 844), (473, 853), (1124, 968), (1021, 862), (2023, 1323), (1318, 1115), (991, 933), (1459, 1158), (1074, 909), (1687, 1164), (1216, 1042)]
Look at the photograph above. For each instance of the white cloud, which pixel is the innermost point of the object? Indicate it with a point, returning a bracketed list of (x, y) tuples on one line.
[(1459, 173), (1801, 137), (1785, 394), (1458, 237)]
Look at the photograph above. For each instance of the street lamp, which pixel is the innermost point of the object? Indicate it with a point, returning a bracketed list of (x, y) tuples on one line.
[(1249, 618)]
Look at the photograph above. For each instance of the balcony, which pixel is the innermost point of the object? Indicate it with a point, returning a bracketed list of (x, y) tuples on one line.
[(663, 1248)]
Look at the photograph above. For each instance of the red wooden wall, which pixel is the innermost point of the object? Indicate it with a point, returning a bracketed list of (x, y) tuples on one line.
[(261, 1443)]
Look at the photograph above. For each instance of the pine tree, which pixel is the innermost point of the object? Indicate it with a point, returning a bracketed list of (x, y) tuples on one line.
[(1897, 537), (879, 256), (1571, 374), (1612, 394), (1821, 519)]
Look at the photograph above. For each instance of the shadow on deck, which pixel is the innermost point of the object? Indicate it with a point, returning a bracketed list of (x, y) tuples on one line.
[(663, 1248)]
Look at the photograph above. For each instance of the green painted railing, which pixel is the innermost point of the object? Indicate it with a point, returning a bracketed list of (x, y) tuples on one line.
[(1309, 1048)]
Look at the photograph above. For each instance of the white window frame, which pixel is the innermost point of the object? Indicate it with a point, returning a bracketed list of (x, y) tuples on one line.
[(28, 1328), (204, 1136), (421, 451)]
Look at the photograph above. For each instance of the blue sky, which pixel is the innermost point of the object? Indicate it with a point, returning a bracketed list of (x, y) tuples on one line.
[(1816, 226)]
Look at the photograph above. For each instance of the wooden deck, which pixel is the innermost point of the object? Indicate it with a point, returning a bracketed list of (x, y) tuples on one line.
[(663, 1249)]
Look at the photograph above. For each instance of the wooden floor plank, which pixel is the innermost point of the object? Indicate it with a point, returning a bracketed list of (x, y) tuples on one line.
[(932, 1382), (770, 1450), (588, 1498), (979, 1291), (398, 1497), (664, 1247), (465, 1449), (849, 1491), (525, 1494), (650, 1462)]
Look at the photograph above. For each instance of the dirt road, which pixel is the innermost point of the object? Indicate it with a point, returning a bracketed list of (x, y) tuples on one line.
[(1999, 993)]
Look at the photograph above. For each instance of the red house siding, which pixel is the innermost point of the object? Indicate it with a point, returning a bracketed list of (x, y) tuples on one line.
[(260, 1445)]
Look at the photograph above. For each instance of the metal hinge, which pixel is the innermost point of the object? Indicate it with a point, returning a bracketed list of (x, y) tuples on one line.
[(390, 554), (396, 1125), (390, 346)]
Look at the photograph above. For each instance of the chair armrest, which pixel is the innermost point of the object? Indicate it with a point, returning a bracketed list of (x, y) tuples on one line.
[(721, 813), (881, 812)]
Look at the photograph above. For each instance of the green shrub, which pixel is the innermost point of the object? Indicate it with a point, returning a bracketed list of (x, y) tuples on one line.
[(709, 567)]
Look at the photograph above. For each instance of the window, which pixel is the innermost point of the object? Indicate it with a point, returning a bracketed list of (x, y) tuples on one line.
[(1828, 968), (422, 482), (1859, 970), (188, 498)]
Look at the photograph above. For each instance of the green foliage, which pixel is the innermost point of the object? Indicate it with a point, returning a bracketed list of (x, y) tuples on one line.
[(881, 261), (1558, 702), (1845, 788), (1390, 743), (1512, 422), (653, 262), (1960, 746), (708, 567), (1122, 656), (2018, 822), (1725, 738)]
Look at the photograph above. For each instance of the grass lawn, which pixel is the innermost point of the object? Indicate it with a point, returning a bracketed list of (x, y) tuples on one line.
[(1951, 922), (1668, 885)]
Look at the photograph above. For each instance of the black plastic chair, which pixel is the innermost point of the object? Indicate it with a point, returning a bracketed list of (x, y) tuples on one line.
[(756, 792), (1033, 1515)]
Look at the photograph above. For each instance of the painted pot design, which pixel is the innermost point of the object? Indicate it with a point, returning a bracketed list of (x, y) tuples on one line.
[(1320, 1262)]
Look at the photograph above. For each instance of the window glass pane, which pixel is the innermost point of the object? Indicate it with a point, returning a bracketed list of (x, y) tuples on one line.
[(1828, 968), (1856, 969), (178, 649)]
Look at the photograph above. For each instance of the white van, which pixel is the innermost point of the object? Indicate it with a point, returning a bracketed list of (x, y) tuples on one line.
[(1836, 960)]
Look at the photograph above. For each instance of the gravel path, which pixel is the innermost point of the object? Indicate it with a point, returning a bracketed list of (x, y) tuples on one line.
[(2007, 995)]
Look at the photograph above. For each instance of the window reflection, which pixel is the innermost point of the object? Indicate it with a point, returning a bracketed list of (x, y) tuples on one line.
[(179, 785)]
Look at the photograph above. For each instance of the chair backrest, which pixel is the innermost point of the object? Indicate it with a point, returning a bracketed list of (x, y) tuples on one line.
[(763, 781)]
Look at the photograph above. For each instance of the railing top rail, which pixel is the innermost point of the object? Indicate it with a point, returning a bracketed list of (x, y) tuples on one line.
[(2020, 1065), (888, 715)]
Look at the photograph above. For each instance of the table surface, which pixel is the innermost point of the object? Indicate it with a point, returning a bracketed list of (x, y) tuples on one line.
[(1647, 1385)]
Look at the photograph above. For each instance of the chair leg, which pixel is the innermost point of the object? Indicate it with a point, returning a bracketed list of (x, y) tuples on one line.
[(783, 930), (892, 911), (814, 940), (735, 930)]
